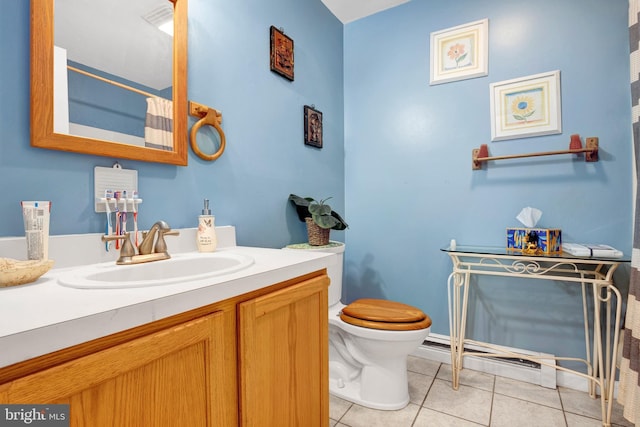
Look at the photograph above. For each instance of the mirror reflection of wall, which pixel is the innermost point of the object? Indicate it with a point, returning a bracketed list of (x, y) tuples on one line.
[(116, 59)]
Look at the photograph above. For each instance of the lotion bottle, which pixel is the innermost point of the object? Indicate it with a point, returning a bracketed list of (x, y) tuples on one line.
[(206, 235)]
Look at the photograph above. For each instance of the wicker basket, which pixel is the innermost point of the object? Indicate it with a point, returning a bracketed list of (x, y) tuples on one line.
[(318, 236)]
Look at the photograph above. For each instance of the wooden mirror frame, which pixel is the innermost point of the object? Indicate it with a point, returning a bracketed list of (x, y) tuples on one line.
[(42, 135)]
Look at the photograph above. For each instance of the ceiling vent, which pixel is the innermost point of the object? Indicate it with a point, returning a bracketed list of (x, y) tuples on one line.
[(161, 17)]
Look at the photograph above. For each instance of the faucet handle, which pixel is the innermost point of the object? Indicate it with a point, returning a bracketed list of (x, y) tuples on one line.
[(161, 245), (127, 247)]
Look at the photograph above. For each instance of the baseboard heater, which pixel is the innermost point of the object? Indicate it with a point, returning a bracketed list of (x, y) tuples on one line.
[(437, 347), (515, 361)]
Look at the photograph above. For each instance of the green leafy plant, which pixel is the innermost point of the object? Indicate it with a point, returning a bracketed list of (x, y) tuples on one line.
[(319, 211)]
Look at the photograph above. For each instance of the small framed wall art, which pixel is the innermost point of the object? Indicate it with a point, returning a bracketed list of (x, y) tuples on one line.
[(312, 126), (526, 106), (281, 53), (460, 52)]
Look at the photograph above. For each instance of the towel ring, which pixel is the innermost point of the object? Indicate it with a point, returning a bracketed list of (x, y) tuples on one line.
[(209, 116)]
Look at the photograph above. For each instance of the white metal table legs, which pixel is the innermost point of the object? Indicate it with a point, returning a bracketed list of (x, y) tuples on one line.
[(601, 359)]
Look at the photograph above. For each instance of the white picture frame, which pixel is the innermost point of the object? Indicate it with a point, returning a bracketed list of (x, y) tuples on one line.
[(526, 106), (460, 53)]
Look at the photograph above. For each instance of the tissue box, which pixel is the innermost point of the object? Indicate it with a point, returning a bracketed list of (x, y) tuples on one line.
[(549, 239)]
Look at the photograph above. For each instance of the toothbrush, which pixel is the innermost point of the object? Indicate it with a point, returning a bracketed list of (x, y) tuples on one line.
[(124, 212), (135, 216), (118, 218), (108, 195)]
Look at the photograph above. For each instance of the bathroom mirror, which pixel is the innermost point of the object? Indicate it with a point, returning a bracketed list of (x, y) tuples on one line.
[(52, 112)]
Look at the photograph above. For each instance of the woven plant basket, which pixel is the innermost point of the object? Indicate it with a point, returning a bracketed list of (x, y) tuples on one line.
[(318, 236)]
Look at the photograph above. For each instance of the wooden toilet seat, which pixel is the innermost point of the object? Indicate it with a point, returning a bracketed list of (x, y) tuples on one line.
[(384, 315)]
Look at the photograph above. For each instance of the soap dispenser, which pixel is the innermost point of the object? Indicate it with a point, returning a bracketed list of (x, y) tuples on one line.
[(206, 234)]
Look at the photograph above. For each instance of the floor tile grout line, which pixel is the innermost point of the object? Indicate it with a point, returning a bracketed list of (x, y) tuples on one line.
[(426, 394), (493, 397), (345, 412), (456, 416), (452, 416), (531, 401)]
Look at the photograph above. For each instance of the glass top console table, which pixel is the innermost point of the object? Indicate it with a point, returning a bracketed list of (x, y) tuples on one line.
[(593, 274)]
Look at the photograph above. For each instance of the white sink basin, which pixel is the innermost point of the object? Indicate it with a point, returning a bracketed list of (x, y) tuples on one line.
[(179, 269)]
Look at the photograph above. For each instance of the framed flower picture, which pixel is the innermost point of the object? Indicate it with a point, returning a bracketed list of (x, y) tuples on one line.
[(526, 106), (460, 52)]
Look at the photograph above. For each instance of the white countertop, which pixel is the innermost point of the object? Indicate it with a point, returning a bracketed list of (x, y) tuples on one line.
[(42, 317)]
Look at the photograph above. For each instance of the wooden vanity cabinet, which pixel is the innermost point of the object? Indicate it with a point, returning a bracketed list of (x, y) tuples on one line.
[(283, 357), (259, 359), (167, 378)]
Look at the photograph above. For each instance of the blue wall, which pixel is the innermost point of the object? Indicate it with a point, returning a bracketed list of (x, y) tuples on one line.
[(409, 183), (265, 159), (395, 148)]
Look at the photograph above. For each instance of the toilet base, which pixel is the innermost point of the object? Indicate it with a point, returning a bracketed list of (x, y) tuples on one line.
[(369, 366), (384, 386), (351, 392)]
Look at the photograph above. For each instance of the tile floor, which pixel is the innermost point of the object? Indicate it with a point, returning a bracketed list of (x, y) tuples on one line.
[(481, 400)]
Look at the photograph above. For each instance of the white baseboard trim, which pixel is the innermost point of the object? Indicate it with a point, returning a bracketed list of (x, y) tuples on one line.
[(545, 376), (576, 382)]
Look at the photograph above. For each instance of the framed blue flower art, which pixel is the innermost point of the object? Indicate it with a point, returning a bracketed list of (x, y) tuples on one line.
[(526, 106)]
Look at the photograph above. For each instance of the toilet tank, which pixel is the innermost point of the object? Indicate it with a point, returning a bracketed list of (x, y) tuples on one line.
[(334, 271)]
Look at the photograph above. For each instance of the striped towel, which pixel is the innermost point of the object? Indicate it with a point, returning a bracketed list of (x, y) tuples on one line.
[(158, 127)]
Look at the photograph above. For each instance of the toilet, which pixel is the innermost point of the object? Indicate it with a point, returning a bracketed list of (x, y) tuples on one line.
[(369, 341)]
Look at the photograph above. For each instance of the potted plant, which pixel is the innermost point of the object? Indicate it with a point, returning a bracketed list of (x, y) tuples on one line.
[(319, 217)]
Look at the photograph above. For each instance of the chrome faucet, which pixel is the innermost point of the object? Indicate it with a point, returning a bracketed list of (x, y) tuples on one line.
[(147, 251)]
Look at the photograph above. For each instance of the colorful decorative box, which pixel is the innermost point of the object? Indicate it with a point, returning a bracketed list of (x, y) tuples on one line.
[(549, 239)]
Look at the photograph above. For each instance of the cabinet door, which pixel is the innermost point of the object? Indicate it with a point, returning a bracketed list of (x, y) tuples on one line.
[(283, 354), (169, 378)]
